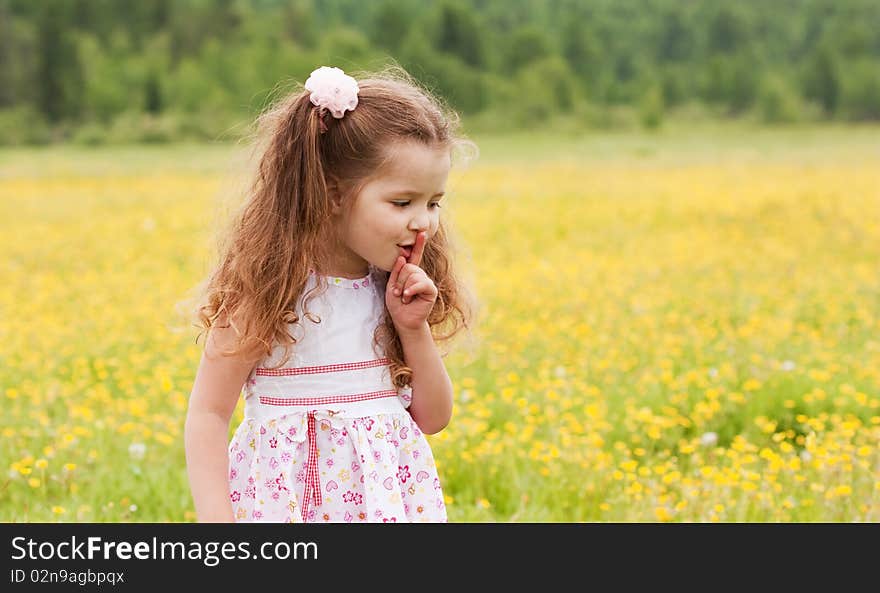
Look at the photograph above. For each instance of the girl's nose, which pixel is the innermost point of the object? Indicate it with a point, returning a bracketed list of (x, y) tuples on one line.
[(420, 223)]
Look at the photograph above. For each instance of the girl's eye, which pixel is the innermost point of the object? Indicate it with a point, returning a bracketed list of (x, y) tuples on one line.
[(405, 204)]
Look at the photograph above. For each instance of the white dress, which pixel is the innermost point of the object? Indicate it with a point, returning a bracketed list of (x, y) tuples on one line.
[(327, 437)]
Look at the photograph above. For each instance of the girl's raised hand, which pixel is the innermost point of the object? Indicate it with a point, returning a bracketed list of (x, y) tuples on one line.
[(410, 294)]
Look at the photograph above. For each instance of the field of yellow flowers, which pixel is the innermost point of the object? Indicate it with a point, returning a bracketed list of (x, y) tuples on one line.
[(671, 328)]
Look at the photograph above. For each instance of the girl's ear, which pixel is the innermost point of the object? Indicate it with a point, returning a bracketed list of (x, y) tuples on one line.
[(334, 196)]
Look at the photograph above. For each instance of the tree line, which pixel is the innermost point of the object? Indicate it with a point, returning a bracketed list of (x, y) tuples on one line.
[(96, 71)]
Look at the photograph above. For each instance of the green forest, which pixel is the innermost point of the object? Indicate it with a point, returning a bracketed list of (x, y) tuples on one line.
[(107, 71)]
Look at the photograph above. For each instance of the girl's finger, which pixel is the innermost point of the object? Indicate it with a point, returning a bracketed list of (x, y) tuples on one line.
[(411, 292), (415, 289), (395, 271), (407, 271), (415, 257)]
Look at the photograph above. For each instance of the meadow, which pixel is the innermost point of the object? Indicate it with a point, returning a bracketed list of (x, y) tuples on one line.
[(673, 327)]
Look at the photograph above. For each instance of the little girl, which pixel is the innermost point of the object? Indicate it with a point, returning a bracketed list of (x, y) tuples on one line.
[(325, 307)]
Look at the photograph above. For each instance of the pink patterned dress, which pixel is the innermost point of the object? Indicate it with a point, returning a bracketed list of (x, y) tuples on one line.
[(327, 437)]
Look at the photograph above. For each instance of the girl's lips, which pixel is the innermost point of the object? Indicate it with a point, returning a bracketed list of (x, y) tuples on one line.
[(405, 251)]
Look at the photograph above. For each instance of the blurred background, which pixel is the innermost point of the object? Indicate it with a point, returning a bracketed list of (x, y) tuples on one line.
[(103, 71), (672, 230)]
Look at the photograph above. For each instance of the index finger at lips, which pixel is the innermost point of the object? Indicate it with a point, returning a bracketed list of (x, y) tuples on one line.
[(419, 248)]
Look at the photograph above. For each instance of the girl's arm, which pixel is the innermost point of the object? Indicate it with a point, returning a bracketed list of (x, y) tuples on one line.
[(215, 392), (431, 405)]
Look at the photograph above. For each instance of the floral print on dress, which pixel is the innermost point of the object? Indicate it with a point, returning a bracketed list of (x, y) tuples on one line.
[(383, 472)]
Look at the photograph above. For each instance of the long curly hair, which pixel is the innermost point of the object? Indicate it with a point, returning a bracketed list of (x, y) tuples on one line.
[(281, 230)]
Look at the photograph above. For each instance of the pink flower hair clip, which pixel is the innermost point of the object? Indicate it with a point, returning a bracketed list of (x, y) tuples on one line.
[(333, 90)]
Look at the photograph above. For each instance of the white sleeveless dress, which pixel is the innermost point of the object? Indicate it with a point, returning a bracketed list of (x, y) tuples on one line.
[(327, 437)]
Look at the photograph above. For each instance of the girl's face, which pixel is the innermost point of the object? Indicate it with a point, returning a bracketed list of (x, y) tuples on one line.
[(391, 209)]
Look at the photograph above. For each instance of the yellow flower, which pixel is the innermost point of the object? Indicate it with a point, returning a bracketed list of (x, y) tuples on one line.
[(751, 385), (163, 438), (662, 514), (629, 465), (671, 477)]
